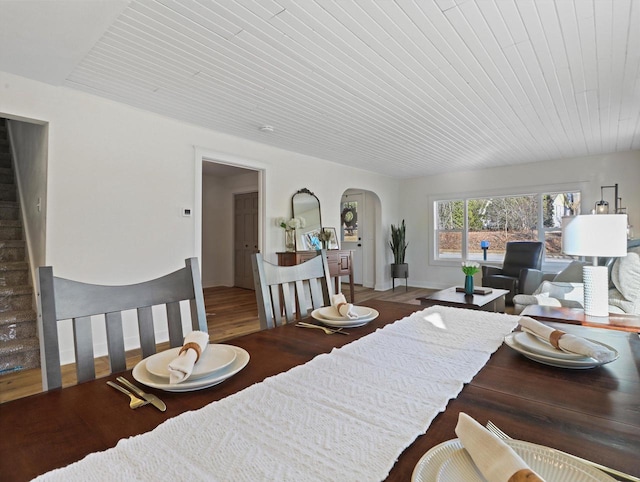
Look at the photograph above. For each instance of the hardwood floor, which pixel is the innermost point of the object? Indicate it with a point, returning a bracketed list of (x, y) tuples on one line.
[(231, 312)]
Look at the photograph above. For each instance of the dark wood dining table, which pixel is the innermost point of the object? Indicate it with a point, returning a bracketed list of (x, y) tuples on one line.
[(592, 413)]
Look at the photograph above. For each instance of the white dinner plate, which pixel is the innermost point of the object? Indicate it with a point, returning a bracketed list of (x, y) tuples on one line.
[(214, 358), (450, 461), (331, 313), (345, 323), (581, 363), (142, 375)]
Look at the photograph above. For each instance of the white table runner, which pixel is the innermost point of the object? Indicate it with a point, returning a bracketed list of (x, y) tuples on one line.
[(346, 415)]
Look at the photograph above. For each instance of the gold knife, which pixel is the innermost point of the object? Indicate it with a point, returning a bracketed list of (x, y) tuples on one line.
[(149, 397)]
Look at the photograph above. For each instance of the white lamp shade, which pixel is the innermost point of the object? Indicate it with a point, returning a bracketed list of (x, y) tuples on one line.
[(601, 235)]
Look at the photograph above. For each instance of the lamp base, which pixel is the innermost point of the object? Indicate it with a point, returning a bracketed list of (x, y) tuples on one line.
[(596, 290)]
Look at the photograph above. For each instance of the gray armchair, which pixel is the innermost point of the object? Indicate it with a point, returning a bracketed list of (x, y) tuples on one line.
[(520, 272)]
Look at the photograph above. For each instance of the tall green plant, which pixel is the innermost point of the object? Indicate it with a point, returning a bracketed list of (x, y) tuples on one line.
[(397, 243)]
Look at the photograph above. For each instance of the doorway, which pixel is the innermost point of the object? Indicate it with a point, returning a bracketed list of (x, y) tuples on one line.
[(223, 186), (359, 223)]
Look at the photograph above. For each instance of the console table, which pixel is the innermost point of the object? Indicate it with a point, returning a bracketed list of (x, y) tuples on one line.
[(340, 264)]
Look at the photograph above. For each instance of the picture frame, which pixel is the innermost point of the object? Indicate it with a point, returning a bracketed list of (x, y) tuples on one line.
[(310, 240), (333, 242)]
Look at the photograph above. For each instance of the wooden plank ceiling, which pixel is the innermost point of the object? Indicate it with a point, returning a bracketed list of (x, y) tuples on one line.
[(401, 87)]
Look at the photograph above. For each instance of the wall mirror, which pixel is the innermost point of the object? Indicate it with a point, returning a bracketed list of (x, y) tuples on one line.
[(306, 205)]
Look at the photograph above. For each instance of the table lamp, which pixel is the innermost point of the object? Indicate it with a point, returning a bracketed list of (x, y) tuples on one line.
[(595, 235)]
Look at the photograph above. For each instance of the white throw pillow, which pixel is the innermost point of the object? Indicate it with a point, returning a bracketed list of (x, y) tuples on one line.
[(626, 276)]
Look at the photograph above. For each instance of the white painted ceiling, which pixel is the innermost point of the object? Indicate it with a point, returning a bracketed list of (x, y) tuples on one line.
[(401, 87)]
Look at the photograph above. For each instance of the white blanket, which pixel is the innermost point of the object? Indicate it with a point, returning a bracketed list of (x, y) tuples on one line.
[(346, 415)]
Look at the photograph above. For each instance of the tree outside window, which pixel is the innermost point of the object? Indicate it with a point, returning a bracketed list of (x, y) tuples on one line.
[(462, 224), (449, 228)]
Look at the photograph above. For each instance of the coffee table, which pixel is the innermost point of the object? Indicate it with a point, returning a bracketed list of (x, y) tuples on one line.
[(493, 301), (577, 316)]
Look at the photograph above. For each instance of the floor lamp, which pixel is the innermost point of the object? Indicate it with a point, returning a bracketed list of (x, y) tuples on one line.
[(603, 235)]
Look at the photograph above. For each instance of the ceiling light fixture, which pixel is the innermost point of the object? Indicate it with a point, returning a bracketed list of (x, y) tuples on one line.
[(267, 128)]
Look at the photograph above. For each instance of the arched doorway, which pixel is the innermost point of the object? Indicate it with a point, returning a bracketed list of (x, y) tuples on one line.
[(360, 223)]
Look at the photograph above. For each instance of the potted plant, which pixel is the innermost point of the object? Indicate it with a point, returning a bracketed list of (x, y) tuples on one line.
[(399, 269)]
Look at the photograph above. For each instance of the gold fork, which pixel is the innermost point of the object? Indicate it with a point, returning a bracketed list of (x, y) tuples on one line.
[(328, 331), (135, 402), (493, 428)]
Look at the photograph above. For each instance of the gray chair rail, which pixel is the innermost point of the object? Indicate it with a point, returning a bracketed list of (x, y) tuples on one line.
[(64, 299)]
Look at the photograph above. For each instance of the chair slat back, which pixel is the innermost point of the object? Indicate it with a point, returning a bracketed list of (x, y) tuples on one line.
[(63, 299), (285, 293), (84, 349)]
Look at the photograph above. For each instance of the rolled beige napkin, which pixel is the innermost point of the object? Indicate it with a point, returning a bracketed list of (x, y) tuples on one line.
[(565, 341), (180, 368), (345, 309), (496, 461)]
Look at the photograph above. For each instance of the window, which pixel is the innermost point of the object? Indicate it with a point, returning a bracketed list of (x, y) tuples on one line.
[(464, 226), (449, 229), (554, 207), (349, 221)]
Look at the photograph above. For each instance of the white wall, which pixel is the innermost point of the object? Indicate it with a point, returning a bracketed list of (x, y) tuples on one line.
[(216, 228), (585, 173), (118, 178)]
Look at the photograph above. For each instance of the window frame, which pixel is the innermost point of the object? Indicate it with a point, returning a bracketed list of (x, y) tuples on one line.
[(537, 191)]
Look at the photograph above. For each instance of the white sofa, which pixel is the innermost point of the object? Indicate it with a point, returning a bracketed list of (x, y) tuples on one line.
[(566, 288)]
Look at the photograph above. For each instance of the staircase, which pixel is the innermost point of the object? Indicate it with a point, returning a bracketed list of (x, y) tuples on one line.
[(19, 346)]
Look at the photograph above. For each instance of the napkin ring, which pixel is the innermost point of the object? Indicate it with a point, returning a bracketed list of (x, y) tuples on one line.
[(554, 338), (191, 345), (525, 475), (340, 305)]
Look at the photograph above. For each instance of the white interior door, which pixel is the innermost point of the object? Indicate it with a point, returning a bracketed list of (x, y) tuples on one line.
[(352, 229)]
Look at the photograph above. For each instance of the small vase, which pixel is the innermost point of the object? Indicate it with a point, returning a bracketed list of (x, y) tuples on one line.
[(290, 240), (468, 284)]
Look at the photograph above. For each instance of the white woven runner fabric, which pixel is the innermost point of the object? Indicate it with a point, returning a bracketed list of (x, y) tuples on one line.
[(346, 415)]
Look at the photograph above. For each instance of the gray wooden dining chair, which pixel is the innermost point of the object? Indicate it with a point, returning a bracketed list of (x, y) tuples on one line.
[(285, 293), (64, 299)]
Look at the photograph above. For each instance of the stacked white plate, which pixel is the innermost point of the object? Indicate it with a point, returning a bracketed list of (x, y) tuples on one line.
[(538, 350), (450, 461), (330, 316), (217, 363)]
